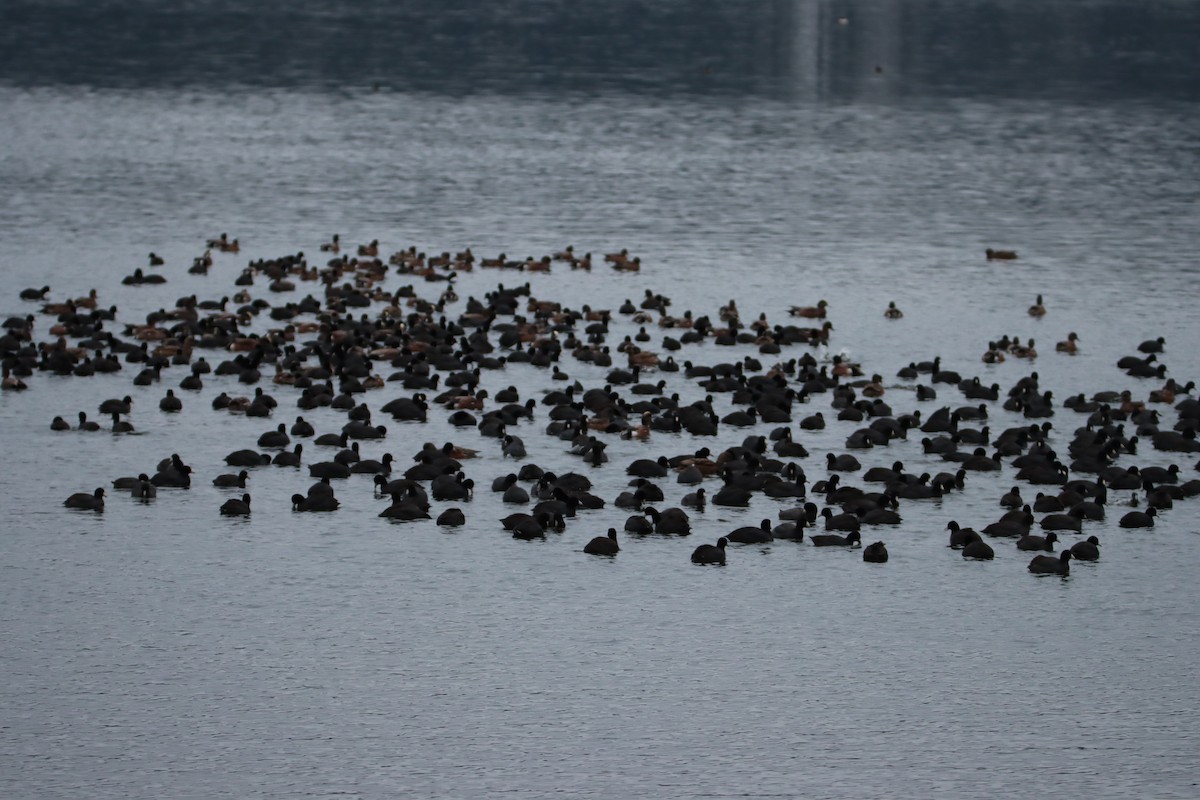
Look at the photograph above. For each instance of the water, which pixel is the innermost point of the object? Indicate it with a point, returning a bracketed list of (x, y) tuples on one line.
[(161, 649)]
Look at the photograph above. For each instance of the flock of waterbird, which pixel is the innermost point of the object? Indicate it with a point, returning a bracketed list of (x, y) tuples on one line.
[(331, 347)]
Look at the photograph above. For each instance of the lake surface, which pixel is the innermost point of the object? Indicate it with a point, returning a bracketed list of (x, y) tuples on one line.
[(745, 151)]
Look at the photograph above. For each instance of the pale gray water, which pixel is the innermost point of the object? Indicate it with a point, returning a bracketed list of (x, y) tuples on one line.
[(163, 651)]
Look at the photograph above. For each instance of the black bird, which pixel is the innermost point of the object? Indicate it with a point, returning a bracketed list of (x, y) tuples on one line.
[(1087, 550), (710, 554), (875, 553), (603, 545), (236, 508), (1049, 565), (85, 501), (833, 540)]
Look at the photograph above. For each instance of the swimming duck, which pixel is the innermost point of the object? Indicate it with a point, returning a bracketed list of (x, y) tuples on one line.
[(1069, 345), (810, 312), (12, 383)]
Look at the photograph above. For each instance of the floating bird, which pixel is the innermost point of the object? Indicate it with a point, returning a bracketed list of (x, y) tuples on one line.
[(236, 508), (1049, 565), (875, 553), (833, 540), (603, 545), (710, 554), (1088, 550), (976, 548), (87, 502)]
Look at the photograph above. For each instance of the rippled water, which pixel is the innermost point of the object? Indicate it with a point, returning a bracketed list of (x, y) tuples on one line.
[(162, 650)]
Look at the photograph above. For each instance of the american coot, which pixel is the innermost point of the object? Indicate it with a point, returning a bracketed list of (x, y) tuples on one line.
[(247, 458), (840, 522), (172, 472), (121, 406), (1012, 499), (1062, 522), (289, 458), (752, 535), (85, 501), (603, 545), (170, 403), (405, 507), (530, 527), (977, 548), (638, 524), (276, 438), (875, 553), (231, 480), (833, 540), (328, 469), (1088, 550), (143, 489), (315, 502), (1139, 519), (1031, 542), (452, 518), (960, 537), (1049, 565), (235, 507), (789, 530), (710, 554), (672, 521)]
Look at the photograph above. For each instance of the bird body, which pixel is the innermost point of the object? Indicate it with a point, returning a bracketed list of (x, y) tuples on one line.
[(85, 501), (1049, 565), (709, 553), (235, 507), (603, 545)]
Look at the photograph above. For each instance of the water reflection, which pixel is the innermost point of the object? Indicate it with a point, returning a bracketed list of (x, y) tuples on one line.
[(784, 49)]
